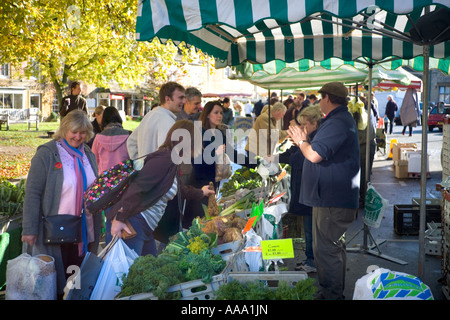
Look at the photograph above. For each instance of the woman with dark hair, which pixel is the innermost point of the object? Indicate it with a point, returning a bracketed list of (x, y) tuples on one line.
[(143, 203), (213, 133), (110, 145)]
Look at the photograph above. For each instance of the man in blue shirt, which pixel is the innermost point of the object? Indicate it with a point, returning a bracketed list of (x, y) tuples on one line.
[(331, 180)]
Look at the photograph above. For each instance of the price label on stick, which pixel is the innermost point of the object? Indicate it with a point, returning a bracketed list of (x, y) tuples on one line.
[(277, 249)]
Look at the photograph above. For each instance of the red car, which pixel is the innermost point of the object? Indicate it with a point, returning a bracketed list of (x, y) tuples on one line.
[(437, 115)]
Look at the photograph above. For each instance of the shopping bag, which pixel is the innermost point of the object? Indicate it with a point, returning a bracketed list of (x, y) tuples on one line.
[(374, 207), (31, 278), (385, 284), (81, 284), (115, 266), (108, 187)]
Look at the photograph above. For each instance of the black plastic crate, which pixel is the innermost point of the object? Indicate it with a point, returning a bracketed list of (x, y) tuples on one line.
[(407, 217)]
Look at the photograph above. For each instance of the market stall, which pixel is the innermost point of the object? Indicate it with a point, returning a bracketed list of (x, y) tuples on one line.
[(313, 30)]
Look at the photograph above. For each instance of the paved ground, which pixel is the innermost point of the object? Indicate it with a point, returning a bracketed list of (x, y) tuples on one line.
[(405, 248)]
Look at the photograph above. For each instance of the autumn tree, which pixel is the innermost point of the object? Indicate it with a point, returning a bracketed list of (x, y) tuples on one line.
[(92, 41)]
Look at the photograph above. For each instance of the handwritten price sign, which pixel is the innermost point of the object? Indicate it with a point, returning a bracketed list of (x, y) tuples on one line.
[(277, 249)]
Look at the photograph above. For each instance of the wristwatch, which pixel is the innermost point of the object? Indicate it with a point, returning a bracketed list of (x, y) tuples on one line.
[(300, 142)]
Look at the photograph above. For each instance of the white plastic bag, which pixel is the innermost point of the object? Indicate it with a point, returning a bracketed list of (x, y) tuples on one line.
[(116, 264), (384, 284), (254, 258), (31, 278)]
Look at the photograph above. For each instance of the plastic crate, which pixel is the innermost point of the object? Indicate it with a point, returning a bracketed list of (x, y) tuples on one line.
[(191, 290), (407, 217), (227, 250), (272, 277)]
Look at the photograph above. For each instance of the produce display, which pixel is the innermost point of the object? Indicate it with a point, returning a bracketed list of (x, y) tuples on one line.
[(187, 257), (243, 178), (11, 198), (227, 228), (258, 290)]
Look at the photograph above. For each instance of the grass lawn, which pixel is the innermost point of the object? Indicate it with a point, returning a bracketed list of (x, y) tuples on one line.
[(18, 145)]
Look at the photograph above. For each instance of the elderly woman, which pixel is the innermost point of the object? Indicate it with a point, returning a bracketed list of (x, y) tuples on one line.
[(309, 120), (254, 146), (59, 173)]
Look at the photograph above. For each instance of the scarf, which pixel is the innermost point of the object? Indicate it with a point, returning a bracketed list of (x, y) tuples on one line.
[(77, 155)]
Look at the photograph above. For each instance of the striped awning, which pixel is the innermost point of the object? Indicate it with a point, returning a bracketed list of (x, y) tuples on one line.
[(259, 31), (308, 74)]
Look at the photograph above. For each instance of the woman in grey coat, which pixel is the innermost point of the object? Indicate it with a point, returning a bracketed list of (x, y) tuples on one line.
[(60, 171)]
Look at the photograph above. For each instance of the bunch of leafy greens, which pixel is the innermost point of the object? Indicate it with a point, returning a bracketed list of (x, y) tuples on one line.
[(243, 178), (258, 290), (188, 257)]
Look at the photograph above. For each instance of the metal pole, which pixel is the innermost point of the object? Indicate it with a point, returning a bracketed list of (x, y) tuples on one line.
[(369, 123), (424, 162)]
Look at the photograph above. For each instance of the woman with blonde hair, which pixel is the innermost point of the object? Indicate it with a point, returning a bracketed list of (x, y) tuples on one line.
[(309, 119), (60, 172), (254, 146)]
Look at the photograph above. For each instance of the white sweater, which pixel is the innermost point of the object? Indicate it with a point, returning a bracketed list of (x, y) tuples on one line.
[(150, 133)]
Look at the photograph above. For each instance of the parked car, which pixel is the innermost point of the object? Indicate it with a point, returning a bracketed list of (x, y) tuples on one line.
[(437, 115)]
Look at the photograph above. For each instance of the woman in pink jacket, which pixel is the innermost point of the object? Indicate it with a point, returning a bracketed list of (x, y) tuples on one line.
[(110, 145)]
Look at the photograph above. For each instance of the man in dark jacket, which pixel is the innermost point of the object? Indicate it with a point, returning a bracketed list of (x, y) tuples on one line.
[(73, 101), (391, 109)]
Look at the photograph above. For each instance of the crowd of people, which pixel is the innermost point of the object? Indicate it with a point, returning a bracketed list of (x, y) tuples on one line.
[(165, 196)]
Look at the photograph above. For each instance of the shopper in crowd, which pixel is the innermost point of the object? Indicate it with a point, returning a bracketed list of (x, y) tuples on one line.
[(152, 130), (309, 120), (96, 123), (254, 146), (192, 106), (248, 107), (74, 101), (110, 145), (258, 108), (291, 112), (331, 170), (228, 113), (391, 109), (59, 173), (143, 203), (213, 131)]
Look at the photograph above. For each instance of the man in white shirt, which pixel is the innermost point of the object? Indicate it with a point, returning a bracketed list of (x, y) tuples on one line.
[(248, 109), (152, 130)]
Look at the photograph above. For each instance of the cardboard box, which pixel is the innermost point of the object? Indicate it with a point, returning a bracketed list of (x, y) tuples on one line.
[(405, 152), (401, 169), (415, 162), (396, 149)]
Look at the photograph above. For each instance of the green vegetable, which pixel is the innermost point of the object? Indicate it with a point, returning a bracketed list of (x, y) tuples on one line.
[(242, 204), (11, 198), (187, 257), (243, 178), (257, 290)]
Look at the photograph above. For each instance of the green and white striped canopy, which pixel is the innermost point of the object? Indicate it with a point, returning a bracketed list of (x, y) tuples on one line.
[(308, 74), (258, 31)]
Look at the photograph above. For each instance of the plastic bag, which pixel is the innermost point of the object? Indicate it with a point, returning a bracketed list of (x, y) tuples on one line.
[(253, 259), (116, 264), (374, 207), (31, 278), (271, 219), (223, 168), (384, 284)]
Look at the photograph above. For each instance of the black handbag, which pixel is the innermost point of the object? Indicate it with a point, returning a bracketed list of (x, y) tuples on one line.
[(62, 228)]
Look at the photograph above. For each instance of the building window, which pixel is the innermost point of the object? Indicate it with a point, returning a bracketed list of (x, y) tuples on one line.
[(4, 70), (10, 100), (444, 94)]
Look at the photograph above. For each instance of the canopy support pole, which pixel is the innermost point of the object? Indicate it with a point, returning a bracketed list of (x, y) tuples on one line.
[(366, 231), (424, 161)]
